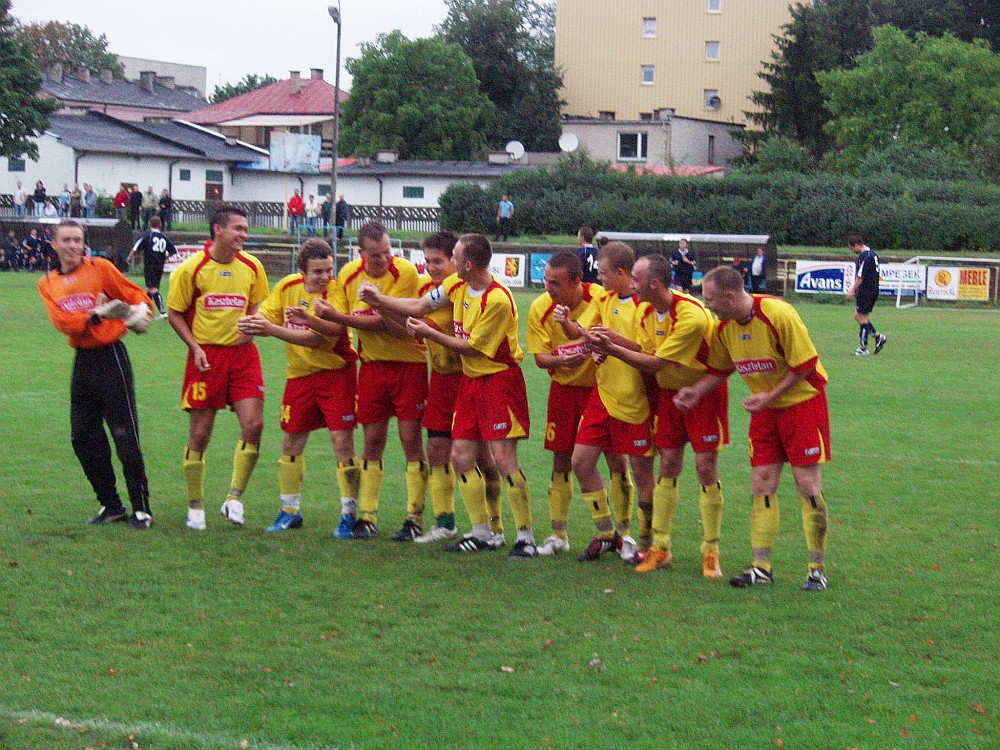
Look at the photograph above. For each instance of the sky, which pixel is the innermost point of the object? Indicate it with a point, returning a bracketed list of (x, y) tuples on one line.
[(233, 39)]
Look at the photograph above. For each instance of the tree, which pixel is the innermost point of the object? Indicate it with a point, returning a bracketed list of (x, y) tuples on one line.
[(936, 92), (512, 46), (249, 82), (821, 36), (24, 115), (420, 98), (70, 44)]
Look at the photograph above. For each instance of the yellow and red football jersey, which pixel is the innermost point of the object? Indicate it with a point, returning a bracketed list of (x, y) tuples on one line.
[(546, 336), (682, 336)]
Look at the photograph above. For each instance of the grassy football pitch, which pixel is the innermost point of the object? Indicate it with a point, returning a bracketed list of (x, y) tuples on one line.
[(235, 638)]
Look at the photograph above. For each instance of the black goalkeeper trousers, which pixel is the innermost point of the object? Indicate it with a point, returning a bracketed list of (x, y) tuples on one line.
[(103, 392)]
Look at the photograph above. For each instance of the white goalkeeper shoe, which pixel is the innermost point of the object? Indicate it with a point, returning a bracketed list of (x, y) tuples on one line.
[(138, 319), (115, 309)]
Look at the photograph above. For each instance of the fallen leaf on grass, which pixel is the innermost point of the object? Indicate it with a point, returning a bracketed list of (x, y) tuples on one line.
[(244, 744), (870, 720), (594, 663), (674, 668), (779, 742), (937, 567), (904, 732), (701, 658), (548, 643), (978, 708), (507, 670), (913, 717), (609, 591), (113, 672)]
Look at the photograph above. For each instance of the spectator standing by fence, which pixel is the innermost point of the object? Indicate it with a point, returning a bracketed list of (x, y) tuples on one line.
[(150, 203), (505, 215), (39, 198), (134, 206), (76, 201), (89, 201), (166, 210), (64, 200), (296, 208), (121, 203), (758, 272), (19, 198), (342, 217)]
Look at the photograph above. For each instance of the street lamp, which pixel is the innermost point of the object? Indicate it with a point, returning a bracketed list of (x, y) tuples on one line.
[(334, 11)]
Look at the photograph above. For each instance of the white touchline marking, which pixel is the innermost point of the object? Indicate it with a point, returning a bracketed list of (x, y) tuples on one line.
[(157, 729)]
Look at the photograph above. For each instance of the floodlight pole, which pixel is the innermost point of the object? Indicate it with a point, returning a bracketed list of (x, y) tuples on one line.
[(334, 11)]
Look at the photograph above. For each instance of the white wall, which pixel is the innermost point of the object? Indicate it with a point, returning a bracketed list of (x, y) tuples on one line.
[(54, 167)]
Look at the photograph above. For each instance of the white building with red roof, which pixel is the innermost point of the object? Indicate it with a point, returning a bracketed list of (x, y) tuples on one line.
[(297, 105)]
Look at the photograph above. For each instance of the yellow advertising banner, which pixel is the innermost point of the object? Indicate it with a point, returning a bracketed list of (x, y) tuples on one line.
[(974, 283)]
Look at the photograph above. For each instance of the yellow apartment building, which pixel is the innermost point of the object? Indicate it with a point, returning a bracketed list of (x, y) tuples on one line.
[(632, 59)]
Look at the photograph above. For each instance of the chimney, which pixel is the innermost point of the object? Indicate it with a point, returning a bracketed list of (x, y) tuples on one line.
[(230, 140), (83, 74), (168, 82), (316, 74), (387, 157), (146, 79), (55, 72), (107, 76), (295, 82)]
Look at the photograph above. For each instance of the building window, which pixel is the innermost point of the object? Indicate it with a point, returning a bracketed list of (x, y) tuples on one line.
[(646, 116), (714, 6), (413, 191), (322, 190), (649, 28), (605, 115), (185, 175), (712, 100), (213, 175), (16, 165), (712, 51), (648, 74), (711, 149), (632, 146)]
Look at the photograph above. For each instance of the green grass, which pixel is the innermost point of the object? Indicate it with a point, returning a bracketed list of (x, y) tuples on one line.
[(187, 640)]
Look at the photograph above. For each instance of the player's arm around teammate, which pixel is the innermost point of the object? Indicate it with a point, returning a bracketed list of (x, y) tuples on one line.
[(674, 334), (571, 368), (321, 384), (209, 292), (764, 339)]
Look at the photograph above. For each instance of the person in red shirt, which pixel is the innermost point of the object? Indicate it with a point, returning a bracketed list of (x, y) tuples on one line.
[(296, 210), (121, 203), (90, 301)]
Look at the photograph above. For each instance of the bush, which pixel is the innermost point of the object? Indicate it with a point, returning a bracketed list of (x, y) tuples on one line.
[(890, 210)]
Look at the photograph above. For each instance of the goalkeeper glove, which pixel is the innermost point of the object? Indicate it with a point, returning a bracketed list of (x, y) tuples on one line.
[(111, 310), (137, 318)]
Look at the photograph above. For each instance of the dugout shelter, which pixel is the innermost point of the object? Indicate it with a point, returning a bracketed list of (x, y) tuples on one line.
[(710, 250)]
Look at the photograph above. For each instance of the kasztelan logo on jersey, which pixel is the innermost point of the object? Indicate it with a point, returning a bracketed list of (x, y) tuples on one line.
[(225, 302), (766, 366), (75, 303)]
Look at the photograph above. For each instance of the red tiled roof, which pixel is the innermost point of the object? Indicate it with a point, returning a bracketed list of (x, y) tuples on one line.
[(315, 97), (662, 170)]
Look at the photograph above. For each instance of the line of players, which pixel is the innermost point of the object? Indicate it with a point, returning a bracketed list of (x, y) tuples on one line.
[(637, 369)]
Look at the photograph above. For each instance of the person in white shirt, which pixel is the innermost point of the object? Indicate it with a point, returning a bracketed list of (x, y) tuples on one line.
[(758, 272)]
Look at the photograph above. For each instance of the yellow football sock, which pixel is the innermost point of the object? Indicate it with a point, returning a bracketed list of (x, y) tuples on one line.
[(349, 480), (291, 470), (194, 477), (244, 459), (519, 497), (644, 514), (441, 485), (368, 489), (763, 529), (665, 497), (416, 489), (710, 502), (494, 499), (622, 491), (815, 523), (597, 503), (560, 496), (473, 488)]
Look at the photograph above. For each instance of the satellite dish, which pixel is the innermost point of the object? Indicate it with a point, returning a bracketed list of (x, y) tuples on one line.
[(515, 149), (568, 142), (715, 102)]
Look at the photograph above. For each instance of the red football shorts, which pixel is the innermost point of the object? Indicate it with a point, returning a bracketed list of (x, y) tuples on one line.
[(391, 389), (441, 401), (601, 430), (706, 426), (322, 399), (234, 374), (566, 406), (492, 407), (799, 434)]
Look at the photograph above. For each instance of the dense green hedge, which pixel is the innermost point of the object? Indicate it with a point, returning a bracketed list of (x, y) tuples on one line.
[(892, 212)]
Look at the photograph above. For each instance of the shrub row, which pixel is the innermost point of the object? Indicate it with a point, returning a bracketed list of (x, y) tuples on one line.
[(892, 212)]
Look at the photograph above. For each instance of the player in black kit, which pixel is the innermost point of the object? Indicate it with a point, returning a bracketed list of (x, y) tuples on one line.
[(156, 248), (865, 289)]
